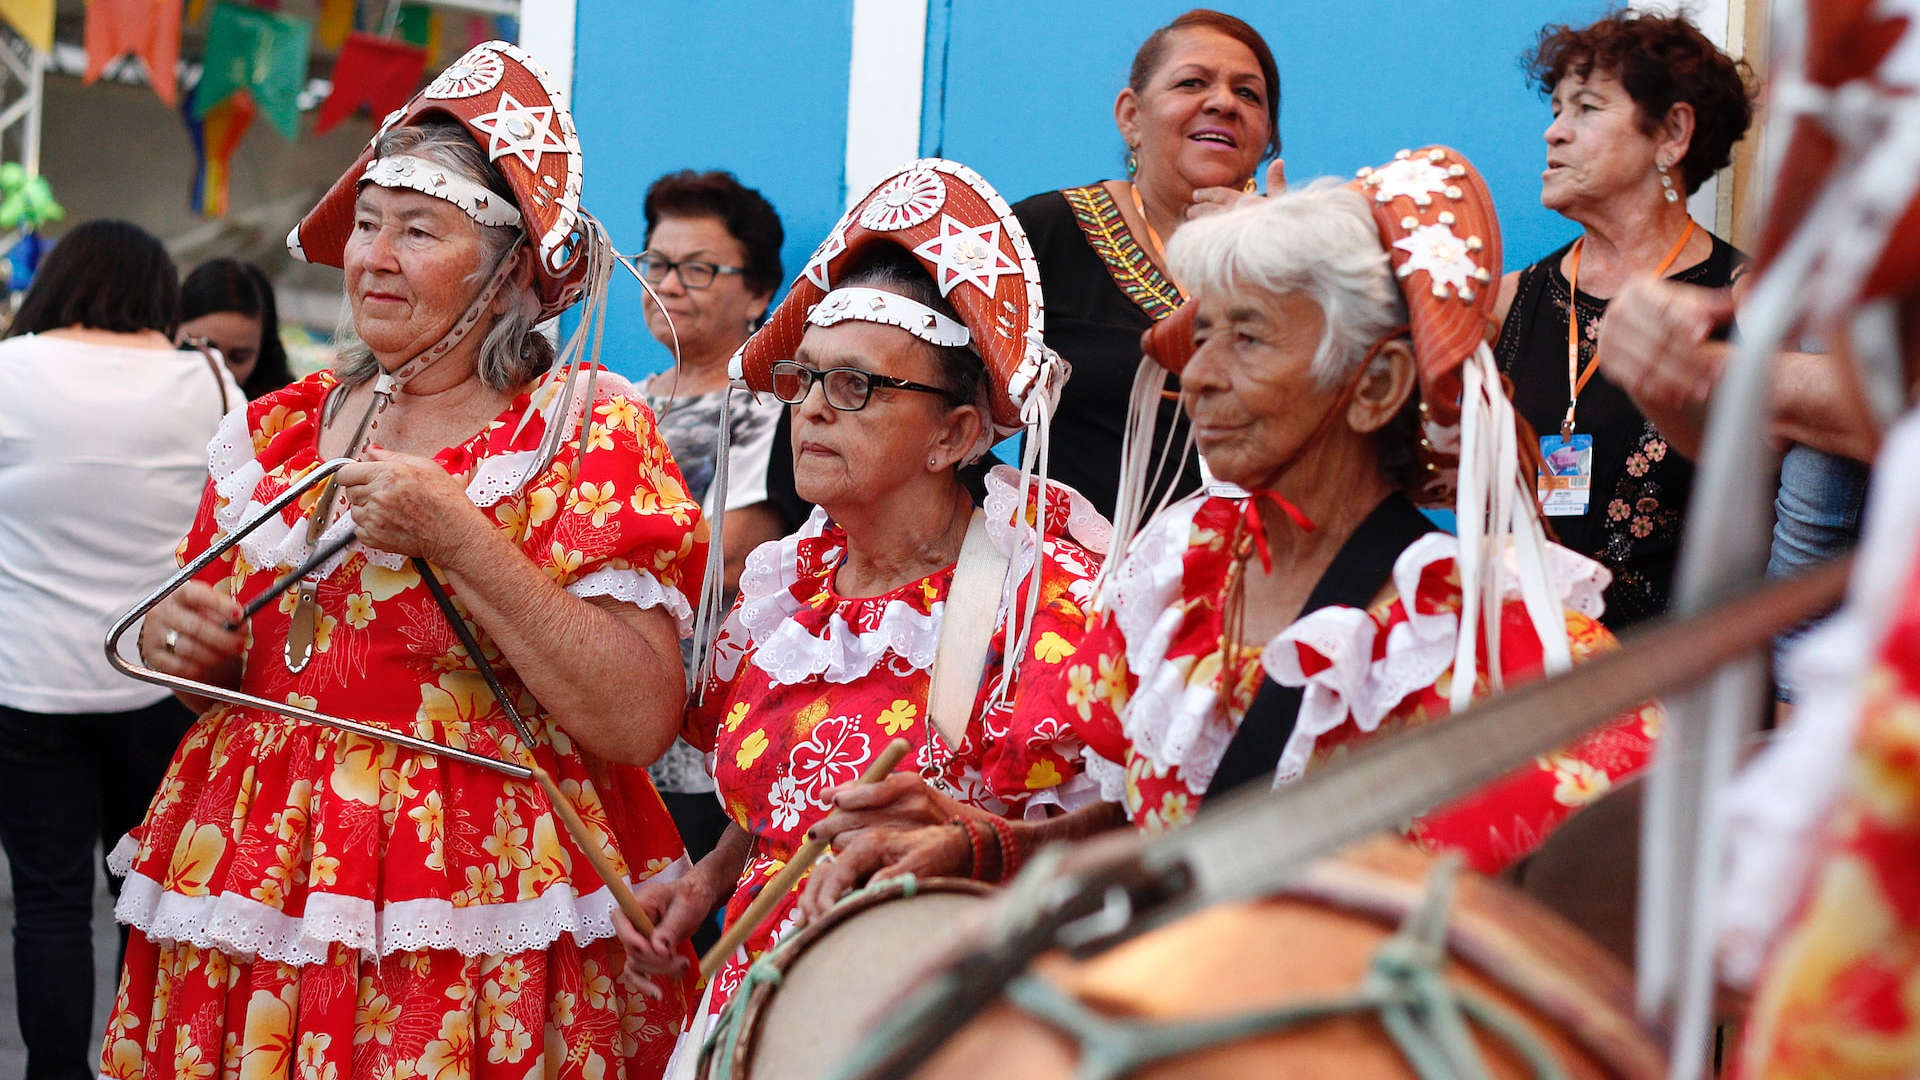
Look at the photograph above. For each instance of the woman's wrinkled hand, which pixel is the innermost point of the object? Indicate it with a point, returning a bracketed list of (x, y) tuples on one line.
[(1215, 199), (409, 505), (896, 826), (1654, 342), (677, 909), (877, 853), (195, 634)]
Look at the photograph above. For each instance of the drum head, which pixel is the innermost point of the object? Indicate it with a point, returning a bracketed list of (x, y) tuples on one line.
[(842, 972)]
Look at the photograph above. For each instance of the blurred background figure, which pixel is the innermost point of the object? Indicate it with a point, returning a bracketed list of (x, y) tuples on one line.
[(229, 305), (103, 433), (713, 259)]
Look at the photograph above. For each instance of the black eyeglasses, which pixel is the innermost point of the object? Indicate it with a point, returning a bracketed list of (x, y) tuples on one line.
[(693, 274), (847, 388)]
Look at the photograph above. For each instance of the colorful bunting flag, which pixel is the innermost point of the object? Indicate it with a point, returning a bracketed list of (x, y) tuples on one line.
[(260, 53), (336, 22), (374, 72), (150, 29), (215, 138), (32, 20)]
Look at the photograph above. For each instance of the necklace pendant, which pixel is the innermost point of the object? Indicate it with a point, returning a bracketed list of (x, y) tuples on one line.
[(301, 629)]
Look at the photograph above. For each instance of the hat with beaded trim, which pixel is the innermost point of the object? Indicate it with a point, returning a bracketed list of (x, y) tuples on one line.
[(512, 110), (965, 234), (957, 226)]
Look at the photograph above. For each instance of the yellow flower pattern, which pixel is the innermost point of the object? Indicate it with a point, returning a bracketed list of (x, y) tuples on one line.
[(280, 814)]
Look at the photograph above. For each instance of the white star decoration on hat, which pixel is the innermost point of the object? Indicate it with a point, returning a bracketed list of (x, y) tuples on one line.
[(1441, 253), (972, 255), (1417, 178), (526, 133), (832, 246)]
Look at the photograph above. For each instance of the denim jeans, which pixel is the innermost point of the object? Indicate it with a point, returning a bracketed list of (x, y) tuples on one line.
[(1816, 517), (67, 783)]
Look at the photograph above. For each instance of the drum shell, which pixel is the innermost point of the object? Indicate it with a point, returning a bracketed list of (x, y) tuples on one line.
[(1316, 940), (887, 933)]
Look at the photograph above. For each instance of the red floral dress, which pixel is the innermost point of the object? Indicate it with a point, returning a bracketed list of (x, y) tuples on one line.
[(809, 686), (310, 903), (1157, 689), (1823, 893)]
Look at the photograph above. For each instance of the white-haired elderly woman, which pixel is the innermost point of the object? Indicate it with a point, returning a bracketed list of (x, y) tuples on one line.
[(314, 903), (1253, 631)]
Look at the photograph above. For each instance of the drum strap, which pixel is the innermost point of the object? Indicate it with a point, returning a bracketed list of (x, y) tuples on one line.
[(1358, 571), (965, 630)]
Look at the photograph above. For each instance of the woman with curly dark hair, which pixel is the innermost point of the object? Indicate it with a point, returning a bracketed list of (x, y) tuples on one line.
[(1645, 109)]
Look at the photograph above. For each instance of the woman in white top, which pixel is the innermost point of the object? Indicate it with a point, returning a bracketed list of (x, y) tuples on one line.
[(103, 434)]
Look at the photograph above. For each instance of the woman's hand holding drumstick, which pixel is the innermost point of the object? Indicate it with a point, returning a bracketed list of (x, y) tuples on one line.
[(789, 875)]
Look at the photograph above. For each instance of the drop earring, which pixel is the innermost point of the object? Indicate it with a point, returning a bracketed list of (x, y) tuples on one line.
[(1133, 164), (1666, 183)]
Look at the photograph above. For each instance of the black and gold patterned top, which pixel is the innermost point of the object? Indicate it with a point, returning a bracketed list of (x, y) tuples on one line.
[(1102, 292), (1641, 485)]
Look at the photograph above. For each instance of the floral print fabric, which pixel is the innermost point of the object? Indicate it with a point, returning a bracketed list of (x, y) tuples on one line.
[(1841, 995), (309, 902), (1162, 720), (809, 686)]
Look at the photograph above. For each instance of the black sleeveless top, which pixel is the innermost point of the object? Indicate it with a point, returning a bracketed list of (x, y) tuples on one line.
[(1101, 292), (1640, 484)]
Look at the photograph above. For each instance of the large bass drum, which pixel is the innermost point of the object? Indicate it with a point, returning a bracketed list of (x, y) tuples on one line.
[(808, 999), (1294, 986)]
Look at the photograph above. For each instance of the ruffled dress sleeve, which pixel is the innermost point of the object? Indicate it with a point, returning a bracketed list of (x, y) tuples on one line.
[(1391, 667), (617, 522)]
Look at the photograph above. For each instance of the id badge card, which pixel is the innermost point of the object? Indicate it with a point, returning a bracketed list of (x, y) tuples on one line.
[(1566, 475)]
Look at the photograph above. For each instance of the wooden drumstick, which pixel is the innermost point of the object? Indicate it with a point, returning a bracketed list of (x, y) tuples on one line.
[(589, 845), (789, 875)]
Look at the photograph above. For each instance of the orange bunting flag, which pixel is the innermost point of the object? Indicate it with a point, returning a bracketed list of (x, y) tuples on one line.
[(374, 72), (149, 29), (32, 20)]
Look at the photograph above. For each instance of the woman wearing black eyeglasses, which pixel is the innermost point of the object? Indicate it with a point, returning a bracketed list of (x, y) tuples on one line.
[(828, 654), (713, 260)]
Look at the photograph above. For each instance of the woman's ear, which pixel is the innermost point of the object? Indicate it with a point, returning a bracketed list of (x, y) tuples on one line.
[(1384, 387), (955, 440), (1675, 135), (1126, 117), (519, 279)]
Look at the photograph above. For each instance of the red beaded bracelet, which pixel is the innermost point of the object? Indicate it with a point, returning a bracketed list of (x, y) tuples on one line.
[(976, 848), (1009, 848)]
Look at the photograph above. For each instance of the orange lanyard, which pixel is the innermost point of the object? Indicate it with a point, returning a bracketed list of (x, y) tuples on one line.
[(1153, 238), (1576, 379)]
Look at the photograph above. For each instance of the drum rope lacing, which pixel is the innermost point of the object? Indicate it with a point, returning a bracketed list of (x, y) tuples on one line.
[(1426, 1017), (724, 1037)]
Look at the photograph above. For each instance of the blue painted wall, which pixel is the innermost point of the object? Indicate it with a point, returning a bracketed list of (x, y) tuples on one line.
[(1027, 96), (1023, 91), (756, 87)]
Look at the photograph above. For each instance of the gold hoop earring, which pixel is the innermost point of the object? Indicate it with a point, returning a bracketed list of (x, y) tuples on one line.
[(1251, 187)]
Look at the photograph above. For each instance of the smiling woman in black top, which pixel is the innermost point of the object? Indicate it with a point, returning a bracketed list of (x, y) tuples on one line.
[(1200, 111)]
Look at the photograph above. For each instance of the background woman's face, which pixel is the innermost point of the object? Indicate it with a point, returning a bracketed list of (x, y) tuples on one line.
[(1203, 115), (711, 321), (237, 336), (1596, 149)]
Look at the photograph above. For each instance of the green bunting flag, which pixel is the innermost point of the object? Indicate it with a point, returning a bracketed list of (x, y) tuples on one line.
[(261, 53)]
